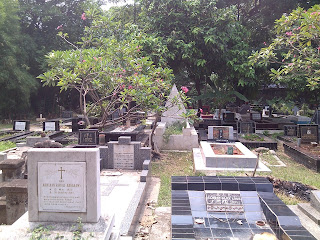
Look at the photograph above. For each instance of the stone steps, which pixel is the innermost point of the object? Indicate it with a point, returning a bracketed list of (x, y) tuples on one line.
[(312, 209)]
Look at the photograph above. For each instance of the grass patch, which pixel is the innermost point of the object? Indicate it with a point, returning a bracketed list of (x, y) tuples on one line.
[(269, 158), (173, 129), (181, 164), (253, 137), (6, 126), (171, 164), (6, 145)]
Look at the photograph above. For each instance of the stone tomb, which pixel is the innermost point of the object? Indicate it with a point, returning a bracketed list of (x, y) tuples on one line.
[(51, 126), (246, 127), (216, 155), (290, 130), (230, 208), (63, 185), (21, 125), (125, 154), (256, 116), (88, 137), (308, 133), (220, 133)]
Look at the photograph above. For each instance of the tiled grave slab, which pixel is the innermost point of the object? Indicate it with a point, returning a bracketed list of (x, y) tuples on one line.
[(194, 194)]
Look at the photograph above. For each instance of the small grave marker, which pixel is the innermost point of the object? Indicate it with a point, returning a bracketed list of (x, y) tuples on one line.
[(256, 116), (21, 125), (246, 127), (88, 137), (51, 126), (229, 116), (224, 201), (290, 130), (308, 133)]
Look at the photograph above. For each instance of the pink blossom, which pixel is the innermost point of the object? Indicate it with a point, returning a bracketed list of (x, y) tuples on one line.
[(120, 76), (294, 56), (95, 58), (201, 111), (124, 70), (138, 50), (290, 64), (184, 89), (298, 28), (264, 43), (161, 80), (60, 26), (130, 87), (289, 33), (83, 16), (282, 60), (83, 60), (136, 74), (318, 48)]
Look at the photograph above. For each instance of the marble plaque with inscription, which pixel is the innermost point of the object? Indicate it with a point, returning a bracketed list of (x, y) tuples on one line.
[(49, 126), (62, 186), (123, 156), (308, 133), (20, 126), (224, 201)]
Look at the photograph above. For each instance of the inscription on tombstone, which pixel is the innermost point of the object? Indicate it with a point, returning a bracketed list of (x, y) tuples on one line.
[(62, 186), (308, 133), (224, 201), (51, 126), (290, 130), (123, 156), (20, 126), (88, 137), (256, 116), (247, 127)]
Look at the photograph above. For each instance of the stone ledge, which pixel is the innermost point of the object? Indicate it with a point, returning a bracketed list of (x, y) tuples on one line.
[(311, 212), (15, 186), (11, 163)]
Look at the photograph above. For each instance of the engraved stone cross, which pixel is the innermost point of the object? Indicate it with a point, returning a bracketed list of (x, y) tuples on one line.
[(61, 172)]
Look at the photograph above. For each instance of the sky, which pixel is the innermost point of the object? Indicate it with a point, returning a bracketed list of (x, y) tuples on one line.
[(107, 5)]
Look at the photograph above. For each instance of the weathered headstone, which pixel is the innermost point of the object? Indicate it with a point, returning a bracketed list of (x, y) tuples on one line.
[(246, 127), (308, 133), (295, 110), (64, 184), (220, 133), (67, 114), (175, 107), (51, 126), (88, 137), (229, 116), (21, 125), (290, 130), (255, 116), (126, 154)]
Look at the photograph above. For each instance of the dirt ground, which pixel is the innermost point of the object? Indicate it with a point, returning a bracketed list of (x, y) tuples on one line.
[(154, 222)]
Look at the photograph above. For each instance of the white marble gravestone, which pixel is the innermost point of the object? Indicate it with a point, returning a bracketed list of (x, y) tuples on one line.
[(174, 107), (64, 184)]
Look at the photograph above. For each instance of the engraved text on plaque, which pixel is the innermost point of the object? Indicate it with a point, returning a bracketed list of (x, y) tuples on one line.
[(62, 186)]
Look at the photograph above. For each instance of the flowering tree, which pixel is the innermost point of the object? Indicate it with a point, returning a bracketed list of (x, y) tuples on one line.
[(109, 71), (295, 51)]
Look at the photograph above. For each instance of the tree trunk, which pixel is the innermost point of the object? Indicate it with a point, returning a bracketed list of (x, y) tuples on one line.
[(198, 88), (153, 147)]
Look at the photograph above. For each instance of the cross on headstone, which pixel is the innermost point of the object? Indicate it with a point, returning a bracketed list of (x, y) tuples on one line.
[(61, 172)]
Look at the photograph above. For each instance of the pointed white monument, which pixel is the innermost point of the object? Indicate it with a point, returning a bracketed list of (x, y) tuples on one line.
[(175, 107)]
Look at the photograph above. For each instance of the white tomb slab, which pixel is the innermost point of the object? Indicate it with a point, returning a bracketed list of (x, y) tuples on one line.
[(62, 186), (49, 126), (20, 126)]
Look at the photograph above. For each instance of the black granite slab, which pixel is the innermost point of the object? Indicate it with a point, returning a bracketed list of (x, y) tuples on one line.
[(191, 220)]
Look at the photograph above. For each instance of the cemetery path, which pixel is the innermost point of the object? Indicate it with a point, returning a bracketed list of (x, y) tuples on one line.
[(154, 222)]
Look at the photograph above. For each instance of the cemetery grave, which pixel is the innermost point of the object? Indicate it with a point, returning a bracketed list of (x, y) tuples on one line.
[(235, 156), (230, 207), (304, 147), (255, 140)]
